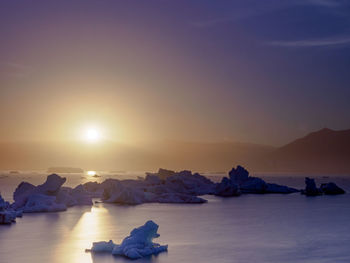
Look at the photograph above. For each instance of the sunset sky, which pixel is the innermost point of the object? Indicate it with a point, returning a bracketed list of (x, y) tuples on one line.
[(255, 71)]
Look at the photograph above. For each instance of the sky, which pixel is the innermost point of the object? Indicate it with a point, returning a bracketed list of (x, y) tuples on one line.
[(256, 71)]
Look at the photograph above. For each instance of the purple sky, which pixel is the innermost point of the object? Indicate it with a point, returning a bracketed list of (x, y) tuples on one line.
[(256, 71)]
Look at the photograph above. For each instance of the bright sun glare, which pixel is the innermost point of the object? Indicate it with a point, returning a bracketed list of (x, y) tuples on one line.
[(91, 173), (92, 135)]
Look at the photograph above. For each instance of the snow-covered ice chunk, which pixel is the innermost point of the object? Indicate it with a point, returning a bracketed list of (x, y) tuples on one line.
[(49, 196), (139, 244), (103, 246), (21, 194), (42, 203), (152, 179), (118, 193), (174, 189), (24, 190), (52, 185)]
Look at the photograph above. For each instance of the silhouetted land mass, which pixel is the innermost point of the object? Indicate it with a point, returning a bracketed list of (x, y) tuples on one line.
[(325, 151)]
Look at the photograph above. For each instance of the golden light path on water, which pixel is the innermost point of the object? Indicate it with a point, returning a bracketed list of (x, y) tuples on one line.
[(91, 227)]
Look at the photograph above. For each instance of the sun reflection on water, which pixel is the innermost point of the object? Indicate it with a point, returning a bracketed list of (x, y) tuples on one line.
[(89, 228)]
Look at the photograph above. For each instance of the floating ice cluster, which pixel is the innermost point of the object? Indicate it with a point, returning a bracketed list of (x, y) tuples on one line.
[(49, 196), (165, 186), (139, 244), (162, 187), (8, 215), (239, 182)]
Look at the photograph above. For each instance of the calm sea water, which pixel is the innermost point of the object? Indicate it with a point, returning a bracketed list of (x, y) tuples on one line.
[(246, 229)]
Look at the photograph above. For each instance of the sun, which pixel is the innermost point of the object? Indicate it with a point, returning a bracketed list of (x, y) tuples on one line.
[(92, 135), (91, 173)]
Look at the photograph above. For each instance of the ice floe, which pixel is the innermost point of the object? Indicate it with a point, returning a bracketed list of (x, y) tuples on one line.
[(49, 196), (137, 245)]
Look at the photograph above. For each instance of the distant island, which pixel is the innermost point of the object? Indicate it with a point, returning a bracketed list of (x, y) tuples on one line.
[(66, 170)]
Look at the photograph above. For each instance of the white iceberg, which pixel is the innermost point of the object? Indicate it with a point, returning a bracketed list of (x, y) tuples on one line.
[(24, 190), (139, 244), (163, 187), (49, 196), (43, 203), (121, 194)]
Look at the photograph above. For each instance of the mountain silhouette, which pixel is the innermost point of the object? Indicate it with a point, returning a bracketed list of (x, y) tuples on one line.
[(323, 151)]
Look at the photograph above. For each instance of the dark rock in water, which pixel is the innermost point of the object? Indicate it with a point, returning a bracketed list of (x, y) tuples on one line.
[(238, 175), (327, 189), (280, 189), (331, 189), (311, 189), (254, 185), (178, 198), (7, 214), (227, 188), (241, 182)]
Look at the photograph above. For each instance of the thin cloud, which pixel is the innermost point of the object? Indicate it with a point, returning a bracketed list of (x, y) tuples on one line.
[(266, 7), (326, 3), (327, 42), (247, 11)]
